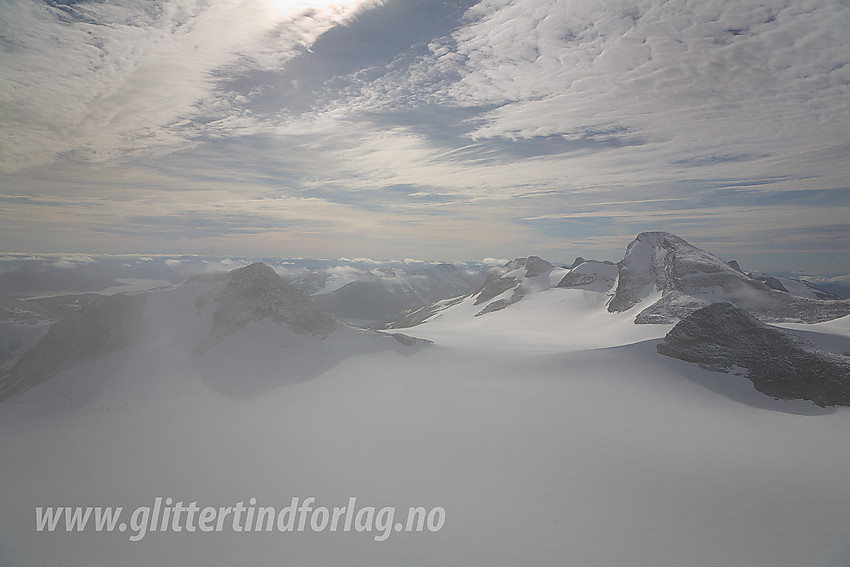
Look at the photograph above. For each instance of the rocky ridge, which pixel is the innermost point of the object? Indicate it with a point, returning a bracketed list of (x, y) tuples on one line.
[(722, 336)]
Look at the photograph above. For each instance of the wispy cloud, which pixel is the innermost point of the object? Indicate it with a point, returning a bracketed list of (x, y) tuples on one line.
[(433, 129), (653, 91), (101, 80)]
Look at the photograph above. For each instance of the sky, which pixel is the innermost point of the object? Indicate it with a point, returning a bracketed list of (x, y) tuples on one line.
[(426, 128)]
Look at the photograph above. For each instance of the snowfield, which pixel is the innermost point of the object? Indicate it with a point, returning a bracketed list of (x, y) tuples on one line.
[(549, 429), (552, 320), (598, 457)]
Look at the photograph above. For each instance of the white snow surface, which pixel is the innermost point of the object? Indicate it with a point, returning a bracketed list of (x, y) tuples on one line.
[(795, 286), (547, 320), (591, 275), (551, 432)]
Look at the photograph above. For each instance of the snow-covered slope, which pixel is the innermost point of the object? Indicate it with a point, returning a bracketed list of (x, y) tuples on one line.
[(531, 301), (100, 327), (383, 292), (609, 456), (549, 430), (660, 280), (793, 286), (591, 275), (505, 286), (212, 323)]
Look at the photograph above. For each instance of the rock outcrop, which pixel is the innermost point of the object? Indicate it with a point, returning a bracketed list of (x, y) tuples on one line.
[(779, 363)]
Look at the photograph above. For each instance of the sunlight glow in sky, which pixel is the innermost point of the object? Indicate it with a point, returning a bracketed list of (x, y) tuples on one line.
[(429, 129), (289, 8)]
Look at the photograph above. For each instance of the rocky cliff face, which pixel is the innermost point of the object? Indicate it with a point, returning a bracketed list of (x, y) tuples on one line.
[(106, 324), (689, 278), (517, 275), (256, 292), (779, 363)]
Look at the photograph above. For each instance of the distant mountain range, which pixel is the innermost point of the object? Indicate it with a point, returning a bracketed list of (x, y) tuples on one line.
[(294, 328), (241, 332), (661, 274)]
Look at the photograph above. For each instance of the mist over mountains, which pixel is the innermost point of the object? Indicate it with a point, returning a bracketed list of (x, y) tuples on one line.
[(661, 280), (556, 391), (377, 257)]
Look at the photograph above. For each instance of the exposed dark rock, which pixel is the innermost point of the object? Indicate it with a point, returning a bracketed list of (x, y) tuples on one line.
[(774, 283), (407, 340), (105, 325), (779, 363), (591, 275), (535, 266), (256, 292), (689, 278), (27, 312), (498, 282), (663, 278), (417, 316)]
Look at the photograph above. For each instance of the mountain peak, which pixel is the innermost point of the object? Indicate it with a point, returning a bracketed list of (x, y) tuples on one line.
[(256, 292), (656, 238), (518, 275), (535, 266), (256, 272), (689, 278), (654, 262)]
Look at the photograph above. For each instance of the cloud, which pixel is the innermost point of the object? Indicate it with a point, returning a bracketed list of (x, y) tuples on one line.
[(424, 128), (745, 86), (99, 81), (72, 261)]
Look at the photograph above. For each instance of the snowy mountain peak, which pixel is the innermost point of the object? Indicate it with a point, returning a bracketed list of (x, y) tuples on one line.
[(659, 261), (240, 333), (793, 286), (257, 292), (106, 324), (689, 278), (662, 278), (535, 266), (521, 275), (255, 273), (659, 238), (591, 275)]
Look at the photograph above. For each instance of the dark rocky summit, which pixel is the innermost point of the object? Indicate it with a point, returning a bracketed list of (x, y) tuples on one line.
[(499, 282), (256, 292), (105, 325), (689, 278), (779, 363)]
